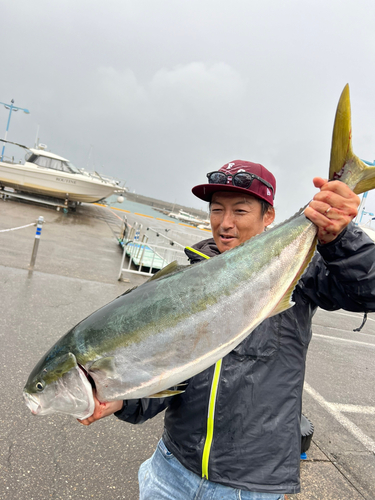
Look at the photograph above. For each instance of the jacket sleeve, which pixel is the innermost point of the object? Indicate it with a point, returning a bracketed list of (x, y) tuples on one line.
[(342, 273), (137, 411)]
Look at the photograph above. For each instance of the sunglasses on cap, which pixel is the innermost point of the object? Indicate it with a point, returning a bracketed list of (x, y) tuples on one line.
[(240, 179)]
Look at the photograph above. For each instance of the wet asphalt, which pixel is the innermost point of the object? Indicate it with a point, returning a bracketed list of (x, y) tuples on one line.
[(76, 272)]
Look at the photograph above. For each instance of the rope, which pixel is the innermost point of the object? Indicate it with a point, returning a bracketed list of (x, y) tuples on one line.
[(15, 228)]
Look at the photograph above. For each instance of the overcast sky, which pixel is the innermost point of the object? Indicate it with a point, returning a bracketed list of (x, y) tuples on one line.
[(160, 92)]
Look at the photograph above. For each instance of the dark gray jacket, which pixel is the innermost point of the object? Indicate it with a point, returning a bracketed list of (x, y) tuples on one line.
[(256, 440)]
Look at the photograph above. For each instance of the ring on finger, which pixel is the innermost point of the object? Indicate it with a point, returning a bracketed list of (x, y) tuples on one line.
[(326, 212)]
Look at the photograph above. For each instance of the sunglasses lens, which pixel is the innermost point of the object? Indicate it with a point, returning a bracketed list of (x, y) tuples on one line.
[(242, 180), (217, 178)]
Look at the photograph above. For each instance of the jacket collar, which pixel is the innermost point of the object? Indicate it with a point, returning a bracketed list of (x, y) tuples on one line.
[(208, 247)]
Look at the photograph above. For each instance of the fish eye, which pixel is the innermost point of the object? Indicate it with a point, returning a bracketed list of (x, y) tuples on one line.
[(39, 386)]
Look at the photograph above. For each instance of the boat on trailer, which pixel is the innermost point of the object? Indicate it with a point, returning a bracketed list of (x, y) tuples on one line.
[(49, 175)]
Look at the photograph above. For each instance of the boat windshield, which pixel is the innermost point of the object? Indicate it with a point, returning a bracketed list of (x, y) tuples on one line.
[(73, 167), (53, 163)]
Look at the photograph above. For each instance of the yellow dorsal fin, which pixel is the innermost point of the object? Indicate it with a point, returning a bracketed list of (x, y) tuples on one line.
[(169, 269), (285, 301)]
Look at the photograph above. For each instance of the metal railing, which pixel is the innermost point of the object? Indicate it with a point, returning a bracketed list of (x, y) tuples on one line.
[(175, 236), (143, 254)]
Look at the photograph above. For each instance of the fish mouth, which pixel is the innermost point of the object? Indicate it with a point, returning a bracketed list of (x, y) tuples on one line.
[(32, 403)]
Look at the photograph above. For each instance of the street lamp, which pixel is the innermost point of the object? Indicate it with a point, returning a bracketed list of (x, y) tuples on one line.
[(11, 108)]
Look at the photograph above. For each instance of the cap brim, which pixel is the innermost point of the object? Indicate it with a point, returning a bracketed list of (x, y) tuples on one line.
[(205, 191)]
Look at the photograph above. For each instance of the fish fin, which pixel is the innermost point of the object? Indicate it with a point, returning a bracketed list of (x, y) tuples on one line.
[(172, 391), (165, 394), (128, 291), (344, 164), (284, 304), (106, 365), (368, 182), (285, 301), (169, 269), (341, 147)]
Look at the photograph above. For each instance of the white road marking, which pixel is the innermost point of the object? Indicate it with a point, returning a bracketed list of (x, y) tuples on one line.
[(347, 314), (343, 340), (341, 330), (365, 410), (331, 408)]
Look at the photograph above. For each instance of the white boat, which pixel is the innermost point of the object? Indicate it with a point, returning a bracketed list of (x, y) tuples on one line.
[(192, 219), (44, 173)]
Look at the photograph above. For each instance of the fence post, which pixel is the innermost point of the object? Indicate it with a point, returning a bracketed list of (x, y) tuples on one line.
[(36, 242)]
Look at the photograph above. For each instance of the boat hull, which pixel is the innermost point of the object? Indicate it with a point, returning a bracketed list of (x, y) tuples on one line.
[(56, 184)]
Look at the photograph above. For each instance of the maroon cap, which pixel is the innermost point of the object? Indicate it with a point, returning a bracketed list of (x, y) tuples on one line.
[(257, 188)]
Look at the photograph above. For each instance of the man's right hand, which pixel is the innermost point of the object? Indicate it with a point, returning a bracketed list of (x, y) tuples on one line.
[(102, 410)]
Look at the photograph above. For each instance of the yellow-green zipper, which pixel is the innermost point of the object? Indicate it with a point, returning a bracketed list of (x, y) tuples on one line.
[(211, 404), (210, 420)]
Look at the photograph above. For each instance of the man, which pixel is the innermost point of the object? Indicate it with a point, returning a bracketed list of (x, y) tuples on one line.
[(235, 431)]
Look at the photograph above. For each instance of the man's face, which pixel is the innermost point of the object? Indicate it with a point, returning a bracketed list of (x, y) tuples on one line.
[(236, 218)]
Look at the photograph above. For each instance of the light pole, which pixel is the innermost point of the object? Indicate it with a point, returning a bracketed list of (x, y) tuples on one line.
[(11, 108)]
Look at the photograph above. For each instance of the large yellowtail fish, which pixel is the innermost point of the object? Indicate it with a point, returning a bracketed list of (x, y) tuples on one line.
[(181, 322)]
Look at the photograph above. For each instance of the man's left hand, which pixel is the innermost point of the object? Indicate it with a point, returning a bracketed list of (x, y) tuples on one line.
[(332, 209)]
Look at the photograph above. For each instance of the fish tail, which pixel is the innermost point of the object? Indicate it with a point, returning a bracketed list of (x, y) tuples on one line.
[(344, 164)]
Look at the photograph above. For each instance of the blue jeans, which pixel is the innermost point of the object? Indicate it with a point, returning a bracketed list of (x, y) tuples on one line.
[(162, 477)]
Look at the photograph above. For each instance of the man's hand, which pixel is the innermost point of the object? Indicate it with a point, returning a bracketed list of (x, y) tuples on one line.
[(102, 410), (332, 208)]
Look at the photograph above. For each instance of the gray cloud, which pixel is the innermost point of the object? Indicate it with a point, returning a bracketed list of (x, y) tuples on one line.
[(161, 92)]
